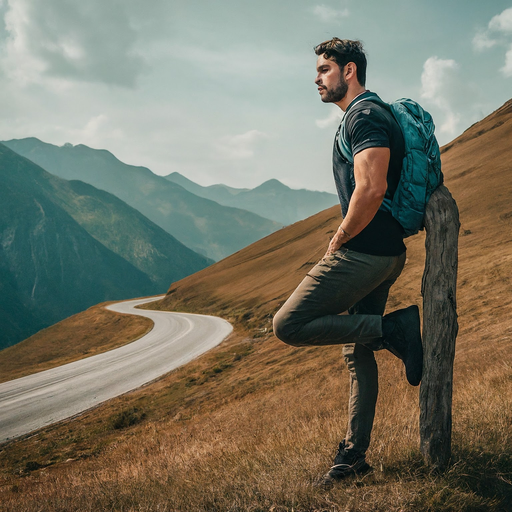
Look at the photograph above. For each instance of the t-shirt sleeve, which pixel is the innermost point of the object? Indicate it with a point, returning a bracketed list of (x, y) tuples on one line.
[(367, 128)]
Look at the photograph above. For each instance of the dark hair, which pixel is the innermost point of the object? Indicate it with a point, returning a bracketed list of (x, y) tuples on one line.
[(343, 51)]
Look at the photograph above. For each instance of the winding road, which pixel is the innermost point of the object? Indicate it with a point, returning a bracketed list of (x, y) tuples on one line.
[(38, 400)]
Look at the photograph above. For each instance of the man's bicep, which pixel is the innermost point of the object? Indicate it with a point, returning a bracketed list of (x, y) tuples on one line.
[(371, 167)]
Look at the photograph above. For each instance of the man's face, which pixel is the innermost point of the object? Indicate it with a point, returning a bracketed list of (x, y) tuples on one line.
[(331, 84)]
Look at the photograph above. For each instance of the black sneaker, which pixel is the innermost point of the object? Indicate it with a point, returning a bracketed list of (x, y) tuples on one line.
[(346, 464), (402, 337)]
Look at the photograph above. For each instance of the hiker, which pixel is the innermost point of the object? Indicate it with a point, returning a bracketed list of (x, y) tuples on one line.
[(364, 257)]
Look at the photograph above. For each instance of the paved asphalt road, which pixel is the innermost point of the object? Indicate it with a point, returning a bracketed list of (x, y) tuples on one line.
[(32, 402)]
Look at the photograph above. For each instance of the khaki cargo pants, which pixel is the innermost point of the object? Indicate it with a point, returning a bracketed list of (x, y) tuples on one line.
[(345, 281)]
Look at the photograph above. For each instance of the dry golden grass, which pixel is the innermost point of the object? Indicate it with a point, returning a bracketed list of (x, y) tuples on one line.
[(85, 334), (237, 444), (251, 424)]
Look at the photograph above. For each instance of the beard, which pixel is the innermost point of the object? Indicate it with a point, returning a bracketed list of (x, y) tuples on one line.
[(336, 94)]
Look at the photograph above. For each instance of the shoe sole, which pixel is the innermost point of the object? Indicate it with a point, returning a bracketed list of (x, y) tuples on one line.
[(333, 476), (413, 360)]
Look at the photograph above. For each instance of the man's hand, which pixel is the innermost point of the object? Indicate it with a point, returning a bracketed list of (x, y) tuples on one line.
[(337, 241)]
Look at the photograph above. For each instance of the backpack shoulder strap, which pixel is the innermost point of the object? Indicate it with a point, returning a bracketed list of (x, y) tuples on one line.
[(343, 144)]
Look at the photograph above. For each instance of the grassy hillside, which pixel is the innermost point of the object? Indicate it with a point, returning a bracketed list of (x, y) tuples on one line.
[(250, 425)]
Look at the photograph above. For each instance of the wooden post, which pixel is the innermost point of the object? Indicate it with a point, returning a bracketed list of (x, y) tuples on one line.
[(440, 327)]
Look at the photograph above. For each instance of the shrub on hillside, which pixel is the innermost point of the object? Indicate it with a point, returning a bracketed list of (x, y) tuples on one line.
[(127, 418)]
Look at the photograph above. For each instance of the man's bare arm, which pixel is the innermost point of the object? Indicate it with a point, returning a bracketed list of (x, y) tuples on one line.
[(370, 173)]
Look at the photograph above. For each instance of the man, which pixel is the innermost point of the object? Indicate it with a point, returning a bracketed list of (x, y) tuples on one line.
[(363, 259)]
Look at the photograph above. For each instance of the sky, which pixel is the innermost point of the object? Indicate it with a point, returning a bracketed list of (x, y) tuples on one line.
[(223, 92)]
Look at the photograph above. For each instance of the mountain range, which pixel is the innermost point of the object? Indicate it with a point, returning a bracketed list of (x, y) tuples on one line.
[(272, 199), (65, 245), (201, 224)]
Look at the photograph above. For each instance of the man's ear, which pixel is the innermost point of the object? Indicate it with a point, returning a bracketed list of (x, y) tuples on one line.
[(350, 70)]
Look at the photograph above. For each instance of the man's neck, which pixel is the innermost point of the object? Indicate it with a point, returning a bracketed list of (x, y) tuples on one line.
[(350, 97)]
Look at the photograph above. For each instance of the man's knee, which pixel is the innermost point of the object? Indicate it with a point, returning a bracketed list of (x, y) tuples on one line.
[(285, 330)]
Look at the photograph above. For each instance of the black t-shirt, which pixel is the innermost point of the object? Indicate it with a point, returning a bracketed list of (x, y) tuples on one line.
[(369, 124)]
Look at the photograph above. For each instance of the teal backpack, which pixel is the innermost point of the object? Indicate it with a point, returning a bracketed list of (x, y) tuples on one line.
[(421, 168)]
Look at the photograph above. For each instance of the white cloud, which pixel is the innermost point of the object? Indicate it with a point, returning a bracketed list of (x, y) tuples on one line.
[(482, 41), (498, 32), (332, 119), (238, 147), (89, 41), (328, 14), (434, 77), (502, 22), (450, 124), (439, 86), (507, 68)]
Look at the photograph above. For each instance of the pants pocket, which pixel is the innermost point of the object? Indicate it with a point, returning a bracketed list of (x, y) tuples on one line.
[(335, 258), (327, 264)]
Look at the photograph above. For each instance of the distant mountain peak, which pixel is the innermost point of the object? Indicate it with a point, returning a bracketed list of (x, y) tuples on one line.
[(177, 177), (272, 184), (272, 199), (31, 140)]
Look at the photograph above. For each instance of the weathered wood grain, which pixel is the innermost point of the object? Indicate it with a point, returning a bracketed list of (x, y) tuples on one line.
[(440, 327)]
